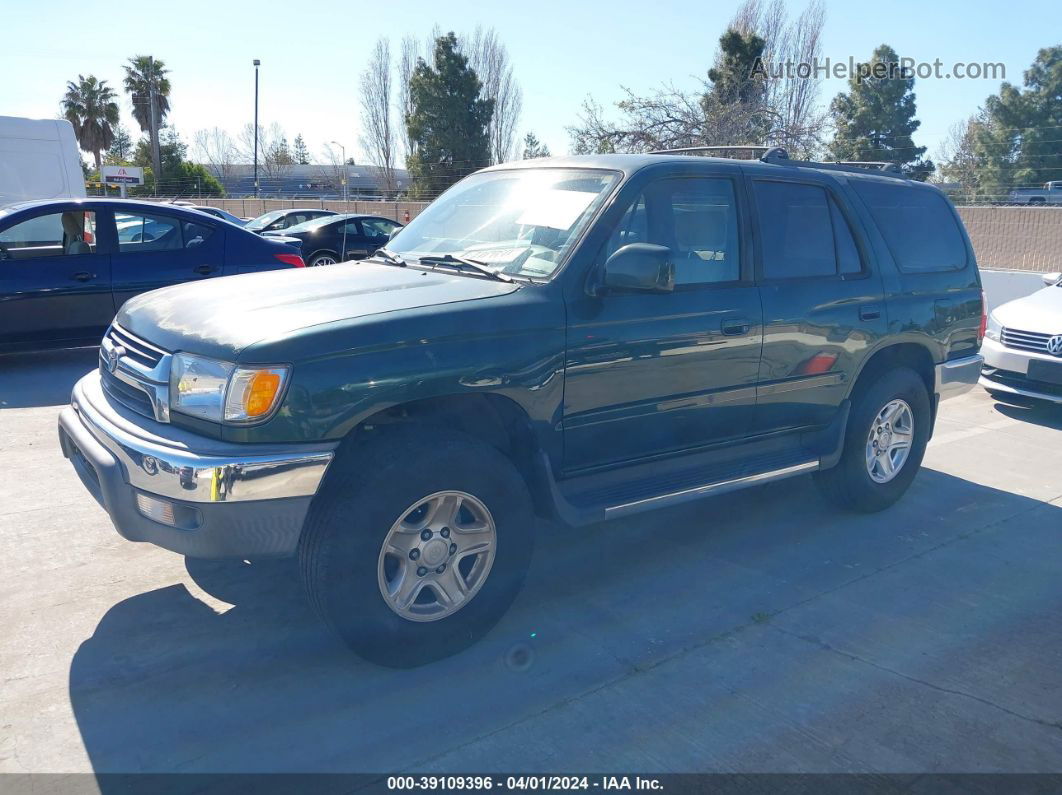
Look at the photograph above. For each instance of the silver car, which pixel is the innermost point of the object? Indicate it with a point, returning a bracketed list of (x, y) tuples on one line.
[(1023, 345)]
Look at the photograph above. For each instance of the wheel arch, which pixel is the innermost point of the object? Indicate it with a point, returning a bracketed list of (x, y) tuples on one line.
[(900, 354)]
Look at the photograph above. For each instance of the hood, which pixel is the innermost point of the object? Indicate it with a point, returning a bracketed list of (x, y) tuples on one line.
[(221, 317), (1040, 312)]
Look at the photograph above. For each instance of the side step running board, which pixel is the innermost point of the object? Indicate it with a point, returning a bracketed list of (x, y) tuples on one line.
[(720, 487)]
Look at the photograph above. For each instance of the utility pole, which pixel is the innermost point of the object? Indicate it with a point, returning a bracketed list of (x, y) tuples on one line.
[(257, 63), (156, 155)]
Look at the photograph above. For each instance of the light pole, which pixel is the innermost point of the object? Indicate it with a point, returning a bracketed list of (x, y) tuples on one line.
[(343, 178), (257, 63)]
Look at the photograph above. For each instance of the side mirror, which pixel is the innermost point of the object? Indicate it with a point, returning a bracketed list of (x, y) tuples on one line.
[(1051, 279), (641, 266)]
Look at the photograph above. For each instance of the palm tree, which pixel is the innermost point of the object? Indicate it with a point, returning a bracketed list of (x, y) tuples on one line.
[(139, 74), (89, 105)]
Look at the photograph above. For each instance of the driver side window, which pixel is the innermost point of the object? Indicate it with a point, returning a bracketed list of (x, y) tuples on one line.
[(57, 234)]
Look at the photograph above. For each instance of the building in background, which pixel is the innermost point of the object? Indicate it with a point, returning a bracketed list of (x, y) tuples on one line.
[(317, 180)]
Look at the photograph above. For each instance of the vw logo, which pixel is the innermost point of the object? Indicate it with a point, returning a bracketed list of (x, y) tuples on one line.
[(113, 355), (1054, 345)]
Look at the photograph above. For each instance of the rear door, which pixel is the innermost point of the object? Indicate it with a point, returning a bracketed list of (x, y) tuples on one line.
[(157, 249), (823, 304), (55, 286)]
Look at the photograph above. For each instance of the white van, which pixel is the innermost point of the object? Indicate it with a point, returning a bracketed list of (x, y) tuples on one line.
[(39, 159)]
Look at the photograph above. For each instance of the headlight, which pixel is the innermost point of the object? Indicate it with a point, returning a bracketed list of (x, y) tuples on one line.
[(222, 392), (993, 329)]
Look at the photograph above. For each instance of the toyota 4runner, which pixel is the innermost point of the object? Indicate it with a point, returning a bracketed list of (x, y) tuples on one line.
[(578, 338)]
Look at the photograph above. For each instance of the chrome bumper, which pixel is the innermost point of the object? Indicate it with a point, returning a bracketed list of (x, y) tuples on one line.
[(957, 376), (226, 499)]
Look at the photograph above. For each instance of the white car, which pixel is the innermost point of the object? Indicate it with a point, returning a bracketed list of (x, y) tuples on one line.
[(1023, 345)]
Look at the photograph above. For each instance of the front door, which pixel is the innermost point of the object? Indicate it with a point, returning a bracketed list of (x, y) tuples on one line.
[(823, 304), (158, 249), (54, 285), (650, 373)]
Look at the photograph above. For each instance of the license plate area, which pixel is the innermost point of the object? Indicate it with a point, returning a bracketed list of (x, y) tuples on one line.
[(1048, 372)]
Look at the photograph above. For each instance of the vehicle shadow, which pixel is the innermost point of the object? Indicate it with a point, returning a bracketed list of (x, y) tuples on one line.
[(43, 378), (168, 684), (1025, 409)]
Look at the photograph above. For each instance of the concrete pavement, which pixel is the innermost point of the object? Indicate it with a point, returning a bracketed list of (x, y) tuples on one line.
[(756, 631)]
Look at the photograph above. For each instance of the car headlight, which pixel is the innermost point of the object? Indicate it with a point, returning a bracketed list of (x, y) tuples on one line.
[(223, 392), (993, 329)]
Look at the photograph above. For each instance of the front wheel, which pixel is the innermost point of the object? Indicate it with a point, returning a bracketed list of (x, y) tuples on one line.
[(888, 429), (410, 558)]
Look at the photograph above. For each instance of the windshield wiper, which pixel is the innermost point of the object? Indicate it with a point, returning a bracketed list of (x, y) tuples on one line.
[(389, 256), (459, 262)]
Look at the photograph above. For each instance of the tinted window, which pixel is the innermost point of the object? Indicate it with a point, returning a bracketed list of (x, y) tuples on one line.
[(58, 234), (145, 233), (349, 228), (918, 225), (377, 227), (196, 234), (796, 230), (696, 218)]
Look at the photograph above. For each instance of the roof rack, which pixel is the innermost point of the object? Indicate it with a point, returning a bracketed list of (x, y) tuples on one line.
[(778, 155)]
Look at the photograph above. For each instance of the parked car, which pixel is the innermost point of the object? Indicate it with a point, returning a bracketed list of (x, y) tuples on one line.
[(581, 338), (336, 238), (39, 159), (217, 212), (67, 266), (281, 219), (1050, 193), (1023, 345)]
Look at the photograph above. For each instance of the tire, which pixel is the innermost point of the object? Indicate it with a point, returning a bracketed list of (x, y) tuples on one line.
[(322, 258), (851, 484), (370, 487)]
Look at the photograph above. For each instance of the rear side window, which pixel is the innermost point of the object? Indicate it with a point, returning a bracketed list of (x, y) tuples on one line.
[(803, 233), (917, 224)]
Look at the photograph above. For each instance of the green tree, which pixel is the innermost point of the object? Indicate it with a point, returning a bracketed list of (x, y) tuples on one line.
[(1018, 142), (145, 77), (300, 152), (120, 152), (533, 147), (449, 121), (179, 177), (90, 107), (875, 120), (737, 97)]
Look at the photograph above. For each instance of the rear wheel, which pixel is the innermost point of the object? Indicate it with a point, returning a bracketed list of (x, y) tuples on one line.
[(888, 429), (411, 557), (323, 258)]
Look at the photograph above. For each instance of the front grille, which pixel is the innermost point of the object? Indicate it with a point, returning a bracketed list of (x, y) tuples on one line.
[(143, 353), (1025, 340), (126, 394)]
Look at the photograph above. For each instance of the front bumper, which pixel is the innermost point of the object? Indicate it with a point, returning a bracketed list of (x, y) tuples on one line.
[(957, 376), (215, 499), (1006, 370)]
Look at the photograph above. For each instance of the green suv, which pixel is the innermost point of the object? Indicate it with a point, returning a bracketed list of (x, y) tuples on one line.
[(575, 338)]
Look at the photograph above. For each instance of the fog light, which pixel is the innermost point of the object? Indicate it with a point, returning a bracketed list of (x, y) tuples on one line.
[(157, 510)]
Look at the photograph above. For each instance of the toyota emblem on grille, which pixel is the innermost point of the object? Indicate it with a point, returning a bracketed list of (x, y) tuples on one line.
[(113, 355), (1054, 345)]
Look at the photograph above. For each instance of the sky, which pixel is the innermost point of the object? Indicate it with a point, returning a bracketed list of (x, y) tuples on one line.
[(562, 52)]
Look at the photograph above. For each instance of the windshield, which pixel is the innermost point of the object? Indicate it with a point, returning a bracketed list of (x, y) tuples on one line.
[(265, 220), (522, 222)]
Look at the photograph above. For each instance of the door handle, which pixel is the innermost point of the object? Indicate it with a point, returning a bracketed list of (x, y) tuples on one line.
[(869, 312), (735, 326), (83, 276), (205, 270)]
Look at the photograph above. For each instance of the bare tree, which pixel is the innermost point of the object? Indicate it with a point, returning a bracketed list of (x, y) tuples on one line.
[(957, 156), (489, 57), (378, 130), (791, 98), (216, 150), (274, 156), (332, 169)]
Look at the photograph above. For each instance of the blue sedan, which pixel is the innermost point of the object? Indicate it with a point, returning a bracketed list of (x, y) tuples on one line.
[(68, 265)]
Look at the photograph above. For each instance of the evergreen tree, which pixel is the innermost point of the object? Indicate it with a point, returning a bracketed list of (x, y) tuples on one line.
[(449, 121), (1018, 143), (300, 152), (876, 118), (534, 148), (120, 151)]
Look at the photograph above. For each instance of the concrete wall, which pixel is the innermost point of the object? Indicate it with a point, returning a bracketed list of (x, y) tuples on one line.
[(1016, 238), (1013, 238)]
